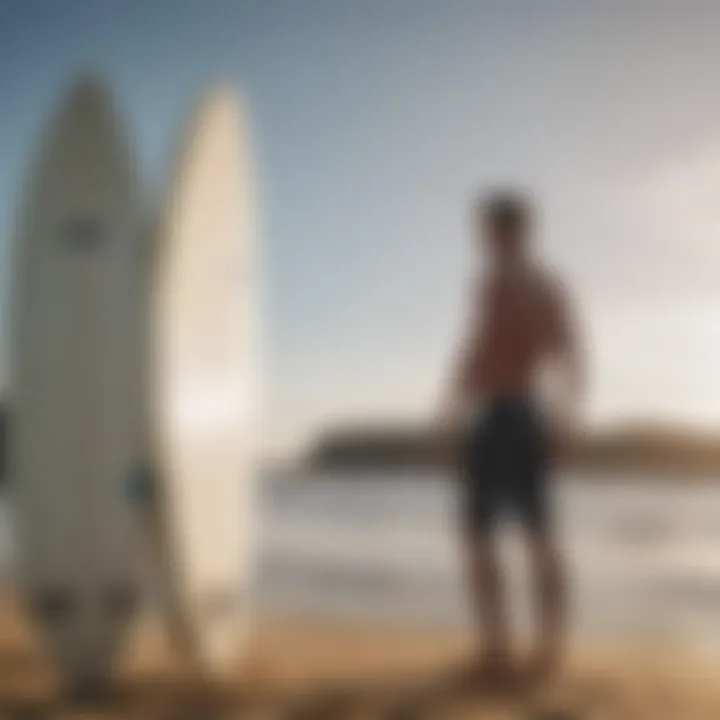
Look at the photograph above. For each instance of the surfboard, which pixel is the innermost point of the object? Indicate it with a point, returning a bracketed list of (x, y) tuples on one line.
[(203, 382), (74, 385)]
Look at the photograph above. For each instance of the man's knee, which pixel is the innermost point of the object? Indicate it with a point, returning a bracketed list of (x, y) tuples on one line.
[(481, 553), (545, 553)]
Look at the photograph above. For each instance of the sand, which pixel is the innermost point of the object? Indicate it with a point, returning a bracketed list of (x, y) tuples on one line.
[(313, 668)]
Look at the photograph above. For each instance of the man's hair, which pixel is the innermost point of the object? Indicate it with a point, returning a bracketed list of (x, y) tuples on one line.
[(507, 210)]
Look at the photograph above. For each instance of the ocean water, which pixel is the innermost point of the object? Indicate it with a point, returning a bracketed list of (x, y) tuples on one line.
[(643, 557)]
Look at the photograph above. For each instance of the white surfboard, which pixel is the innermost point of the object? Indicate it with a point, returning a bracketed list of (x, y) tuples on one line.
[(74, 385), (203, 384)]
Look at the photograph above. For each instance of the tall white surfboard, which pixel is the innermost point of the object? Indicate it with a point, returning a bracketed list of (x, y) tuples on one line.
[(203, 382), (74, 384)]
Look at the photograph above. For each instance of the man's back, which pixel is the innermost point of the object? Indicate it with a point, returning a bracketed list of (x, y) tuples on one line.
[(518, 318)]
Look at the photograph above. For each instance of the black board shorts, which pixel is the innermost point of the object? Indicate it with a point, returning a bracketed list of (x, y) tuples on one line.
[(504, 467)]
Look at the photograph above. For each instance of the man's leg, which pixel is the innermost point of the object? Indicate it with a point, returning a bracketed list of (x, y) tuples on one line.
[(534, 505), (488, 599), (550, 602), (482, 505)]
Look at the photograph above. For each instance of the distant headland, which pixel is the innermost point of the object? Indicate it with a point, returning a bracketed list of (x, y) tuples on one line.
[(639, 448)]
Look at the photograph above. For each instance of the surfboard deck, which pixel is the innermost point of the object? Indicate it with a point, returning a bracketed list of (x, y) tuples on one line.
[(203, 384), (73, 381)]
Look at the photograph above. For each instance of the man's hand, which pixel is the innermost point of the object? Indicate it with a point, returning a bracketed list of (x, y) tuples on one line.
[(564, 441), (447, 431)]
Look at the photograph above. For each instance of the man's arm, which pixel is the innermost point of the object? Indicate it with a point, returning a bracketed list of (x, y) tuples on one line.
[(567, 360), (462, 385)]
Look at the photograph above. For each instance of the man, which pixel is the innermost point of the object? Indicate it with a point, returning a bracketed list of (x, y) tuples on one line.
[(520, 328)]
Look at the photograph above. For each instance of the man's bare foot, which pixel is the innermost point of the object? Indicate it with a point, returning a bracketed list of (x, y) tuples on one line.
[(541, 667), (492, 671)]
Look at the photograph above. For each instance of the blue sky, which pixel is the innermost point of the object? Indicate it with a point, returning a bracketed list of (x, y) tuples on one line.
[(375, 121)]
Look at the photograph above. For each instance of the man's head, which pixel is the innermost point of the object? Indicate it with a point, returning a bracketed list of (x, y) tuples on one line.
[(504, 223)]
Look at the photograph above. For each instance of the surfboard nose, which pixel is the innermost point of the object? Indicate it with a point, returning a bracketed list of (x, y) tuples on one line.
[(88, 102), (88, 89)]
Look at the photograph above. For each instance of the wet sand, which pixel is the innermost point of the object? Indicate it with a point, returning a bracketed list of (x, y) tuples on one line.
[(312, 668)]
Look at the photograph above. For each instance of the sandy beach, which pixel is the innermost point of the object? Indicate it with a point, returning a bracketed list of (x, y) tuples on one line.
[(312, 668)]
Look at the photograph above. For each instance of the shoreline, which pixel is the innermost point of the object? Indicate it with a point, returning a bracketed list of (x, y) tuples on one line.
[(442, 474)]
